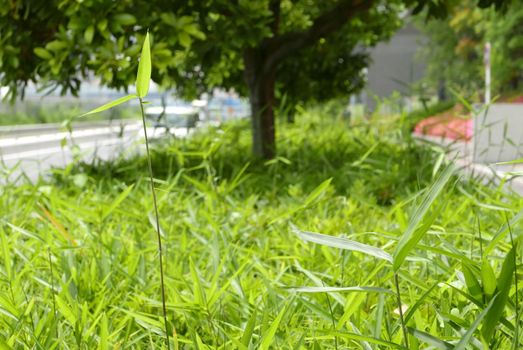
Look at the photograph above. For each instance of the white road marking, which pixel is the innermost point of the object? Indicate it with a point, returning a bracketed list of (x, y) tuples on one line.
[(45, 151), (27, 140)]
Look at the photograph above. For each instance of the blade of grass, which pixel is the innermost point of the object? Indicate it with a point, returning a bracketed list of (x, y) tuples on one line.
[(488, 279), (515, 341), (268, 338), (412, 236), (430, 339), (472, 282), (342, 243), (110, 105), (363, 289), (249, 329), (360, 337), (400, 309), (465, 339), (125, 193), (504, 283), (502, 232)]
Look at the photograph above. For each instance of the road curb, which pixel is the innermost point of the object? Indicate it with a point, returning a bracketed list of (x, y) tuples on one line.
[(37, 129), (460, 153)]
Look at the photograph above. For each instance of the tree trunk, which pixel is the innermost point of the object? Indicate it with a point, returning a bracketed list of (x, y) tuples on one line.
[(261, 63), (261, 92)]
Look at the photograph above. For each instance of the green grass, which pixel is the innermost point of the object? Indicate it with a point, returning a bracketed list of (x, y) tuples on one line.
[(78, 268)]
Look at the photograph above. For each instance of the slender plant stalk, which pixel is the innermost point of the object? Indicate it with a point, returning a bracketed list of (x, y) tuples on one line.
[(480, 238), (52, 281), (516, 328), (400, 308), (160, 254), (480, 249), (332, 318)]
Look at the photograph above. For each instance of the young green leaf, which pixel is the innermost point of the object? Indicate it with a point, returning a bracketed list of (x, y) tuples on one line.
[(342, 243), (271, 332), (465, 339), (503, 231), (89, 34), (516, 161), (472, 283), (144, 69), (317, 192), (430, 339), (412, 309), (43, 53), (198, 290), (104, 334), (365, 289), (110, 104), (249, 329), (121, 197), (412, 236), (4, 345), (359, 337), (488, 278), (504, 284)]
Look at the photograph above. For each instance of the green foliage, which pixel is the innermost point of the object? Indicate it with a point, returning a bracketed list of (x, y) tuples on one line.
[(197, 45), (455, 53), (110, 105), (333, 67), (143, 76), (265, 49), (420, 222), (87, 247)]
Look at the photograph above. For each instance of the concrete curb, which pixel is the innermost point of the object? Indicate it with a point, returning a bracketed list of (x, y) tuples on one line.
[(461, 153), (38, 129)]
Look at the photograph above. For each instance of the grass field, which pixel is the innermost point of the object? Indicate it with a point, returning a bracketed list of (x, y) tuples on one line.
[(79, 268)]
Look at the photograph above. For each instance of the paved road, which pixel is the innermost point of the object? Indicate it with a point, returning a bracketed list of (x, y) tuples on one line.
[(34, 150)]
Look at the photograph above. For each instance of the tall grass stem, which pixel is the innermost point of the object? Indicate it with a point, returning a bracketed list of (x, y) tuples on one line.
[(52, 280), (332, 318), (515, 262), (400, 308), (158, 235)]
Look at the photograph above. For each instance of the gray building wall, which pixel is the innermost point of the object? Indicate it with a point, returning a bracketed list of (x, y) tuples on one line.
[(394, 65), (498, 133)]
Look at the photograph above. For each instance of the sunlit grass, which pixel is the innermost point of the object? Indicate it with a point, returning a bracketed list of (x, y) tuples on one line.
[(78, 267)]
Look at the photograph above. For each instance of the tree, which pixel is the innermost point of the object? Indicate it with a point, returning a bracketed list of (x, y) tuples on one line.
[(254, 46), (455, 53), (506, 35)]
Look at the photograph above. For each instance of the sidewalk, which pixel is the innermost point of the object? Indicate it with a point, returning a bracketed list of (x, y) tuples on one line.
[(510, 175)]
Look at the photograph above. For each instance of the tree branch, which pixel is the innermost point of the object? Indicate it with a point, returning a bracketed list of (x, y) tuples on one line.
[(281, 46)]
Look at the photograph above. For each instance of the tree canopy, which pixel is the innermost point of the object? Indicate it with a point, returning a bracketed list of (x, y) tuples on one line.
[(304, 49), (456, 51)]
